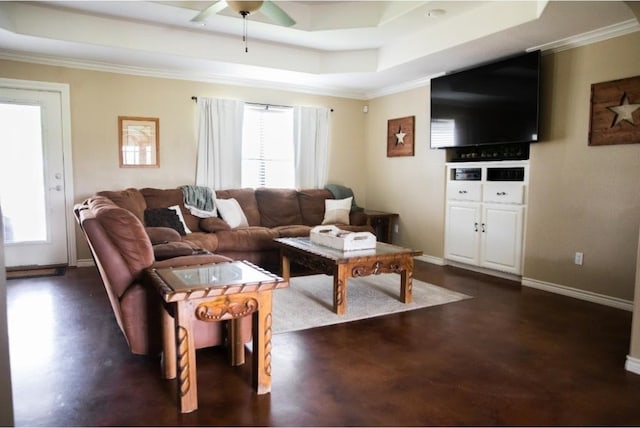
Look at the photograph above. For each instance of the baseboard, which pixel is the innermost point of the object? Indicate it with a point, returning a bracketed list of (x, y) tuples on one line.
[(85, 263), (589, 296), (632, 365), (479, 269), (431, 259)]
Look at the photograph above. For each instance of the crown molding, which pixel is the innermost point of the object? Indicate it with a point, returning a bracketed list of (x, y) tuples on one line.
[(604, 33), (177, 75), (616, 30)]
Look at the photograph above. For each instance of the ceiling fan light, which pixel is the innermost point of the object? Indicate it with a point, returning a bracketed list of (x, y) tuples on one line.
[(244, 6)]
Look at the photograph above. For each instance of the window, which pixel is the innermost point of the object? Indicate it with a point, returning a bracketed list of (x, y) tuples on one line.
[(267, 147)]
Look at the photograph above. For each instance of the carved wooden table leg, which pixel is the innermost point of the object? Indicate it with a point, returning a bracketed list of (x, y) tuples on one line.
[(168, 346), (186, 357), (262, 332), (406, 280), (340, 277)]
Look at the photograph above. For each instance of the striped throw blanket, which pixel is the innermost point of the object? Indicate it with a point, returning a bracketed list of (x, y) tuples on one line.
[(199, 200)]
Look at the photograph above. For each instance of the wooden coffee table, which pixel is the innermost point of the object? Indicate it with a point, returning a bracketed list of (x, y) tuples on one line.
[(342, 265), (213, 293)]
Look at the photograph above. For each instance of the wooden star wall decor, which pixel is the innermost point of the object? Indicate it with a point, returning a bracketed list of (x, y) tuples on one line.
[(615, 112), (400, 141)]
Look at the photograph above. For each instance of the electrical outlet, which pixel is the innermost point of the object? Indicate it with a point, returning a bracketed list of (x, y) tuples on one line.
[(578, 258), (396, 228)]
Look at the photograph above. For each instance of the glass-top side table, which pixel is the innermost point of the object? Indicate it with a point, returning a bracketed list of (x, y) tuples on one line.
[(212, 293)]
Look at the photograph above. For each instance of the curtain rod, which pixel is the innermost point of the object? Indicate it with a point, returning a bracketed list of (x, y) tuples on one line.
[(194, 98)]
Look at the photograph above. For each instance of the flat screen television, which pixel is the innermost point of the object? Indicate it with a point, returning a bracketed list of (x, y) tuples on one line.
[(495, 103)]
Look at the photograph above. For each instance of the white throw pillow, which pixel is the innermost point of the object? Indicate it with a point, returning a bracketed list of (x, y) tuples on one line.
[(231, 212), (176, 208), (337, 211)]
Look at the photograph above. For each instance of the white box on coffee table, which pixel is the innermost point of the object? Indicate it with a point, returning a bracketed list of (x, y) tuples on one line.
[(332, 236)]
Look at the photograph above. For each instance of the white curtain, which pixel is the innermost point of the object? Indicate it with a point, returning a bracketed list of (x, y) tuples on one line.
[(219, 160), (311, 146)]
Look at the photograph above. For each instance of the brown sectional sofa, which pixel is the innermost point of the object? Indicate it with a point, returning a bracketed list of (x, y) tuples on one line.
[(271, 213), (113, 223)]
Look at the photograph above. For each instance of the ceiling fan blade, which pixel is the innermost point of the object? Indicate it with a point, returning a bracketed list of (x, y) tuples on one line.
[(276, 14), (211, 10)]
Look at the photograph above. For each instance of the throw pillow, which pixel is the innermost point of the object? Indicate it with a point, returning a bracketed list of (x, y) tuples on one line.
[(336, 211), (176, 208), (231, 212), (163, 217)]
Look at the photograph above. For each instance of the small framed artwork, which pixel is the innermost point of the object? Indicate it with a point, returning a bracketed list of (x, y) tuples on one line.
[(615, 112), (400, 140), (139, 142)]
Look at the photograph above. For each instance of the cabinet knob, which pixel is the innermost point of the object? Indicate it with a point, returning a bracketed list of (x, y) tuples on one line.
[(501, 193), (462, 192)]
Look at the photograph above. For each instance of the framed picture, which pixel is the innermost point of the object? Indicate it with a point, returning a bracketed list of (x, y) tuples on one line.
[(400, 140), (615, 112), (139, 142)]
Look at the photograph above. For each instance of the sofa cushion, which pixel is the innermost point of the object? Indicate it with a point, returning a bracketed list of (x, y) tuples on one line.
[(204, 240), (278, 207), (161, 235), (165, 198), (246, 239), (129, 199), (163, 217), (213, 224), (293, 231), (247, 200), (311, 203), (337, 211)]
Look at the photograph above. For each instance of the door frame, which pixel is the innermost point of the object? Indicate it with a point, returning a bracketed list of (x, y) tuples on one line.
[(63, 90)]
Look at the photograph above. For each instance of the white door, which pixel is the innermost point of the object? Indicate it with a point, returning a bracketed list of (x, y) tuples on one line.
[(32, 178), (462, 234)]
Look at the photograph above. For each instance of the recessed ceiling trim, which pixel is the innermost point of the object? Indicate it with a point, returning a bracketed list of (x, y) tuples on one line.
[(604, 33)]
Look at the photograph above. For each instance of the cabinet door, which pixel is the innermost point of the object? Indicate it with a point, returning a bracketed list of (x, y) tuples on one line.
[(501, 242), (462, 235)]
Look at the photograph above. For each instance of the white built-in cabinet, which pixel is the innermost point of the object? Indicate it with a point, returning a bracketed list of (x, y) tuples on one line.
[(485, 212)]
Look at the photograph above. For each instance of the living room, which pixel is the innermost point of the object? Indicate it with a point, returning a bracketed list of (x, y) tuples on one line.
[(580, 198)]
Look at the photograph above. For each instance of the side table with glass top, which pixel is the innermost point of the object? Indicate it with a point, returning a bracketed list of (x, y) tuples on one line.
[(212, 293)]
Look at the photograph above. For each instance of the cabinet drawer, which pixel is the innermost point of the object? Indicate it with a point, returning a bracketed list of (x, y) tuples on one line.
[(503, 192), (464, 191)]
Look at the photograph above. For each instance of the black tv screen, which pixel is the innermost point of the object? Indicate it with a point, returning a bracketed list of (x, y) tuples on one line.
[(495, 103)]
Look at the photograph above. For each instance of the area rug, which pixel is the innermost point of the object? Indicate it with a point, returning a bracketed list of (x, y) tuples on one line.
[(308, 301), (36, 273)]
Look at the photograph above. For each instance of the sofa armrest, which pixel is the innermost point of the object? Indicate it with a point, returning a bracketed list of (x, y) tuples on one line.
[(161, 235), (170, 250)]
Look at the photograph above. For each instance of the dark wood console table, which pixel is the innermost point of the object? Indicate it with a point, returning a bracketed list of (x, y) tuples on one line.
[(381, 222)]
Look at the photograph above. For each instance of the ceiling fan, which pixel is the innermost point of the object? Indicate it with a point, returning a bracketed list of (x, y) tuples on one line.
[(244, 8)]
